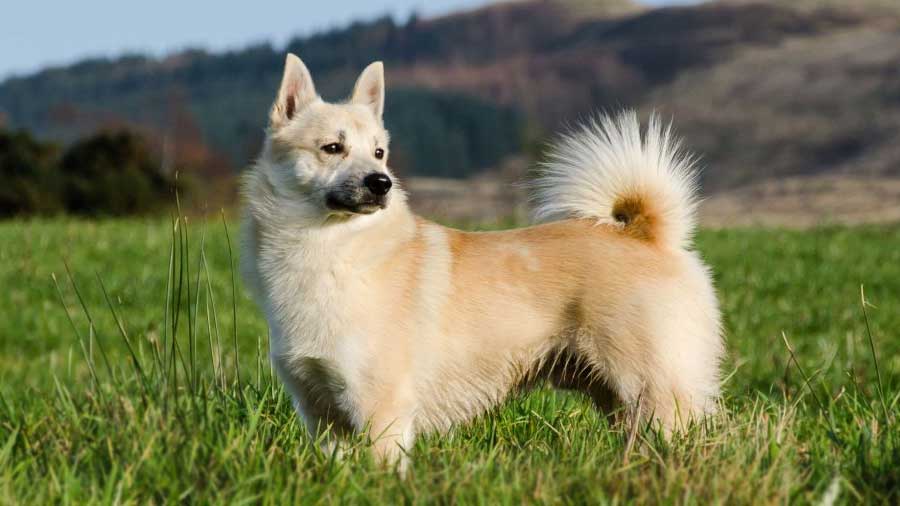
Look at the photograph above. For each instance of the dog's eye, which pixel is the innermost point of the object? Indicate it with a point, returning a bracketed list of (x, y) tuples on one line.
[(379, 153), (334, 148)]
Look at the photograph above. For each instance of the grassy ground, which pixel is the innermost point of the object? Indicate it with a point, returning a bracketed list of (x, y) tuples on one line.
[(108, 407)]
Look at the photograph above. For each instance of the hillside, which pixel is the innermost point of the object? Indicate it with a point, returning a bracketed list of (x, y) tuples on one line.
[(762, 89)]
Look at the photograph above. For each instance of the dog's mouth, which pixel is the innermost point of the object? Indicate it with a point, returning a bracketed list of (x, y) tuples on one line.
[(334, 202)]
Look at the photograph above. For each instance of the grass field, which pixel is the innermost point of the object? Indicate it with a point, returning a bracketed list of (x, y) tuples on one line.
[(108, 407)]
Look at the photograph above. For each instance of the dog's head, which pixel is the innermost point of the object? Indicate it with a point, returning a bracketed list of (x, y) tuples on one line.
[(333, 157)]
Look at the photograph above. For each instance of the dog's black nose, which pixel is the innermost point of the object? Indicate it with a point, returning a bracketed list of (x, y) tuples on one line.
[(378, 183)]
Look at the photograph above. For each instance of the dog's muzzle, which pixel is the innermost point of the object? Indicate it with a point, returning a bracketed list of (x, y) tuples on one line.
[(361, 196)]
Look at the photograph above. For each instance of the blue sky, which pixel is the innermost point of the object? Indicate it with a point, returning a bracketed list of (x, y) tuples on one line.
[(37, 33)]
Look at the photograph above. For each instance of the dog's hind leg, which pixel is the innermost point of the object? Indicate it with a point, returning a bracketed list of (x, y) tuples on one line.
[(659, 343), (671, 388)]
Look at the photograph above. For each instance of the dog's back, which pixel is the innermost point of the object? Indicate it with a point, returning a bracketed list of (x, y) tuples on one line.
[(598, 309)]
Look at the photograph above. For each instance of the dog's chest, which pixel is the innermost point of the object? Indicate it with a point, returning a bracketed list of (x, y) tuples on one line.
[(312, 304)]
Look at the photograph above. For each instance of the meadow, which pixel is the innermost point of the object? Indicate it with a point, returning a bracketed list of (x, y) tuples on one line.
[(133, 371)]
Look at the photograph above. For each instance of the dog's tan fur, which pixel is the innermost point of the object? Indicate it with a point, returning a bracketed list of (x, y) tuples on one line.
[(389, 323)]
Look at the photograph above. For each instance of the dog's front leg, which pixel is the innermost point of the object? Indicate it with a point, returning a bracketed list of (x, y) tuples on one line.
[(321, 429), (391, 429), (391, 443)]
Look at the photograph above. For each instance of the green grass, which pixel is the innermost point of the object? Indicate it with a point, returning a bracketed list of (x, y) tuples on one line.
[(161, 420)]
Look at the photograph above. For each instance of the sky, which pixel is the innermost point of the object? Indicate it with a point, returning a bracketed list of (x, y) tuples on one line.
[(38, 33)]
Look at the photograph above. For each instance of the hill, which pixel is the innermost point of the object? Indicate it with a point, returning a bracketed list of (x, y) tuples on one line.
[(762, 89)]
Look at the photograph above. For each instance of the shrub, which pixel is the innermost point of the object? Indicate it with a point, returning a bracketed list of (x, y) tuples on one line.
[(31, 180), (113, 173)]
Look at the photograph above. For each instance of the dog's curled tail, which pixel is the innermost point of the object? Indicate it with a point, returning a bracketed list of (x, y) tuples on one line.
[(646, 186)]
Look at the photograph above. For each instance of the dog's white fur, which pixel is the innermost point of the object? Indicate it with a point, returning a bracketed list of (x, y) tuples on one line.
[(387, 323), (587, 172)]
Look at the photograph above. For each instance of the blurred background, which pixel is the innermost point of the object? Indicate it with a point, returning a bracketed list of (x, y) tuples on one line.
[(793, 106)]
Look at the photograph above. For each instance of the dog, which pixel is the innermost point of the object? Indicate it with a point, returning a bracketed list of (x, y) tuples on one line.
[(385, 324)]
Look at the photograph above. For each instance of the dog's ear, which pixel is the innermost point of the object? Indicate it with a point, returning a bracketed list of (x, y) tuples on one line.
[(369, 88), (296, 92)]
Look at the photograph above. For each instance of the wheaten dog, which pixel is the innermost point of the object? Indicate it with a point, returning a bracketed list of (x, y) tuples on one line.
[(384, 322)]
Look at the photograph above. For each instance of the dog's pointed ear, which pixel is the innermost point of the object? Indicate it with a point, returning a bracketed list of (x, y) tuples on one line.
[(369, 88), (296, 92)]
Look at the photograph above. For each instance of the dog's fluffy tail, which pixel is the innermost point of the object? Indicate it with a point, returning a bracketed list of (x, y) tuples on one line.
[(607, 171)]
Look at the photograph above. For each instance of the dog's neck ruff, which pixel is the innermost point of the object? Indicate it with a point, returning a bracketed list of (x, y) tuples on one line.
[(318, 262)]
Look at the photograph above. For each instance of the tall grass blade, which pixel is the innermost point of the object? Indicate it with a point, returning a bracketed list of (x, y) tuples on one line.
[(88, 357), (864, 302), (237, 371), (825, 412), (195, 333), (139, 369), (215, 315), (91, 325)]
